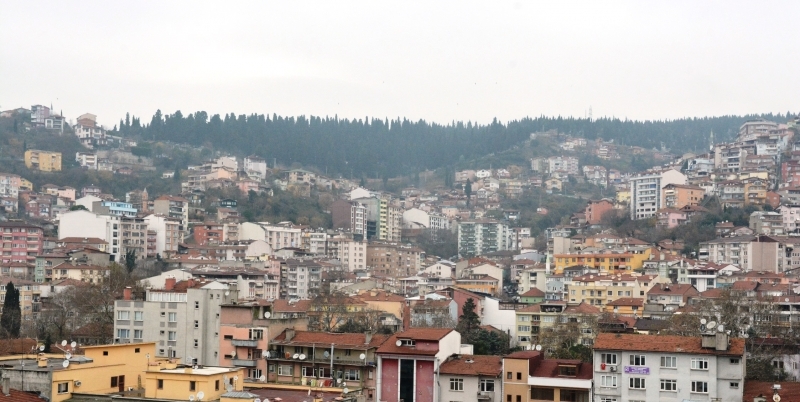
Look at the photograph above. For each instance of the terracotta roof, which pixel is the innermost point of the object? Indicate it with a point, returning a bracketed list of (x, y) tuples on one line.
[(345, 340), (712, 293), (548, 368), (583, 308), (417, 334), (663, 343), (753, 389), (627, 301), (82, 240), (745, 286), (20, 396), (490, 366), (533, 292), (380, 296), (673, 289), (281, 305)]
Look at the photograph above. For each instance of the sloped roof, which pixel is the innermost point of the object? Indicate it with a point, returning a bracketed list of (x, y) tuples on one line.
[(417, 334), (344, 340), (533, 292), (490, 366), (663, 343), (627, 301)]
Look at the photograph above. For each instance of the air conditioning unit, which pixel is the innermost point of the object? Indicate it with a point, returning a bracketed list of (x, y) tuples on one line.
[(612, 368), (77, 383)]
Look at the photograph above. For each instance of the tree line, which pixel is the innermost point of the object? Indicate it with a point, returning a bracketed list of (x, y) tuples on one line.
[(375, 148)]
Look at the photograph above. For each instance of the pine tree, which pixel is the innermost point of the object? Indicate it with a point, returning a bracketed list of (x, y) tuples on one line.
[(469, 320), (11, 317), (468, 190)]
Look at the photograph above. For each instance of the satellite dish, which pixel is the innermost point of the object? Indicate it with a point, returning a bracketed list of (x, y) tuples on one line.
[(227, 293), (200, 395), (345, 390), (702, 327), (236, 378), (326, 354), (147, 355), (233, 354), (41, 348), (302, 356), (262, 379), (712, 324), (703, 321), (786, 299), (64, 343), (720, 328), (267, 314), (398, 343), (338, 380), (295, 356), (362, 356), (538, 347), (68, 355), (73, 344), (229, 387), (65, 363), (265, 353), (191, 398)]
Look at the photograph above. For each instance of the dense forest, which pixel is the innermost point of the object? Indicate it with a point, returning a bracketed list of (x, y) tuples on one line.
[(376, 148)]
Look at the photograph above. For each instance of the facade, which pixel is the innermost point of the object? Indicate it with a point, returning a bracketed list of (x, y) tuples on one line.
[(409, 362), (393, 260), (478, 237), (596, 209), (471, 378), (646, 192), (599, 290), (43, 160), (167, 232), (351, 253), (680, 195), (30, 302), (300, 279), (182, 319), (528, 376), (255, 167), (660, 367), (21, 242), (89, 132), (173, 207)]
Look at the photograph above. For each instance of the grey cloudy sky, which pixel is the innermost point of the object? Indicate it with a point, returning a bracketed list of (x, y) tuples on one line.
[(438, 61)]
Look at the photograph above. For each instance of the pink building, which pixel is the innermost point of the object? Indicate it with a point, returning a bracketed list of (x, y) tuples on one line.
[(461, 296), (596, 209), (21, 242), (408, 363), (669, 218)]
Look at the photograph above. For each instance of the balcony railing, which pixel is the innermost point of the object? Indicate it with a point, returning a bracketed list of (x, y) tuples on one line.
[(246, 343), (244, 362)]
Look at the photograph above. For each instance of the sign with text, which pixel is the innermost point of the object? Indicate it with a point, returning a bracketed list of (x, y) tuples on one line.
[(637, 370)]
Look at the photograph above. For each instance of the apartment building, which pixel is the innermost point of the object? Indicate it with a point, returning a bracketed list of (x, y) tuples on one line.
[(29, 296), (255, 167), (349, 215), (89, 132), (595, 210), (416, 218), (21, 242), (278, 236), (566, 164), (532, 320), (43, 160), (167, 232), (468, 377), (529, 377), (173, 207), (659, 367), (767, 223), (599, 290), (393, 260), (300, 279), (351, 253), (182, 319), (478, 237), (646, 192), (606, 261), (750, 253), (680, 195)]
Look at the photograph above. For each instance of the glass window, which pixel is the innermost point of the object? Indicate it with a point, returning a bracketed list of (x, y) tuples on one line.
[(173, 317), (637, 360), (138, 315), (608, 358), (700, 387), (669, 385), (487, 385), (669, 362), (636, 383), (700, 364), (608, 381), (456, 384)]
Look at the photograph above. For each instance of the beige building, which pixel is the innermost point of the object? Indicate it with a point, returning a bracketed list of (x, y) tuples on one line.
[(393, 260), (43, 160), (599, 290), (29, 296)]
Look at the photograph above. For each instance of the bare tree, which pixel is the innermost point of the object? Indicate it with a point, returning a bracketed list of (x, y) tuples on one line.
[(328, 312)]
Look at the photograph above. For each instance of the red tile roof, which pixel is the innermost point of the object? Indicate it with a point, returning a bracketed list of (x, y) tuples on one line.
[(20, 396), (753, 389), (417, 334), (583, 308), (533, 292), (380, 296), (490, 366), (663, 343), (627, 301), (673, 289), (281, 305)]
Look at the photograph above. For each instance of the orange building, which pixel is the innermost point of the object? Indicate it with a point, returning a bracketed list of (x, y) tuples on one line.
[(596, 209), (680, 195)]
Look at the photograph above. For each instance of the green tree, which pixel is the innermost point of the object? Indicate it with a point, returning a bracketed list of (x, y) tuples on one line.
[(468, 190), (78, 208), (469, 319), (11, 318), (130, 260)]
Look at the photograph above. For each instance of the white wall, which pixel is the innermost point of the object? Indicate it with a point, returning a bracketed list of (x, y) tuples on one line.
[(504, 320), (251, 231)]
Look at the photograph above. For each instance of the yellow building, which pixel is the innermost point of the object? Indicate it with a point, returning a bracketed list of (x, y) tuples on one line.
[(607, 261), (538, 318), (623, 196), (515, 380), (626, 307), (169, 381), (599, 290), (43, 160), (479, 283)]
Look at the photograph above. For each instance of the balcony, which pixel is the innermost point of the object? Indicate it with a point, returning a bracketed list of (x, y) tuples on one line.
[(244, 362), (245, 343)]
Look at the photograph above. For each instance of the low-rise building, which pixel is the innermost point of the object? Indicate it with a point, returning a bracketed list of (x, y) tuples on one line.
[(472, 378), (43, 160), (531, 377)]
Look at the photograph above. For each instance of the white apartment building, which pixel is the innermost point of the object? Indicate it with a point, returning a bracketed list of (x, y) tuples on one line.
[(255, 167), (86, 159), (300, 279), (351, 253), (790, 215), (750, 253), (629, 368), (477, 237), (646, 194), (278, 236), (174, 207), (567, 164), (417, 218), (182, 319), (167, 231), (87, 224)]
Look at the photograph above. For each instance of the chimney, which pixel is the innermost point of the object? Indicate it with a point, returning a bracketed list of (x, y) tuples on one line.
[(289, 334), (126, 293), (367, 338), (6, 385), (169, 283)]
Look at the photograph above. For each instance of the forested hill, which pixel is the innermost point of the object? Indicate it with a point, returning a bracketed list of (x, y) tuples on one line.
[(374, 147)]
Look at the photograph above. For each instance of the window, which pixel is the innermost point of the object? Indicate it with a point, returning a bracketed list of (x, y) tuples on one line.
[(160, 384), (608, 381), (172, 336), (735, 361), (519, 375), (285, 369), (700, 387), (137, 350), (638, 360), (608, 358), (137, 334), (608, 399), (195, 343), (113, 382), (138, 315), (307, 371), (778, 364), (197, 305), (456, 384), (519, 398), (508, 376), (669, 362), (63, 387), (547, 394), (123, 333), (487, 385), (192, 385), (196, 324), (669, 385), (173, 317), (524, 328), (352, 375), (735, 384), (216, 385), (700, 364), (123, 315), (636, 383)]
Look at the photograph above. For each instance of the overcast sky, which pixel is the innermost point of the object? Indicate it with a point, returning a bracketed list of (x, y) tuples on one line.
[(439, 61)]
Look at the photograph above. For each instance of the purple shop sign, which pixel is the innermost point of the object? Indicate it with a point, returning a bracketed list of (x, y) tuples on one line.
[(637, 370)]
